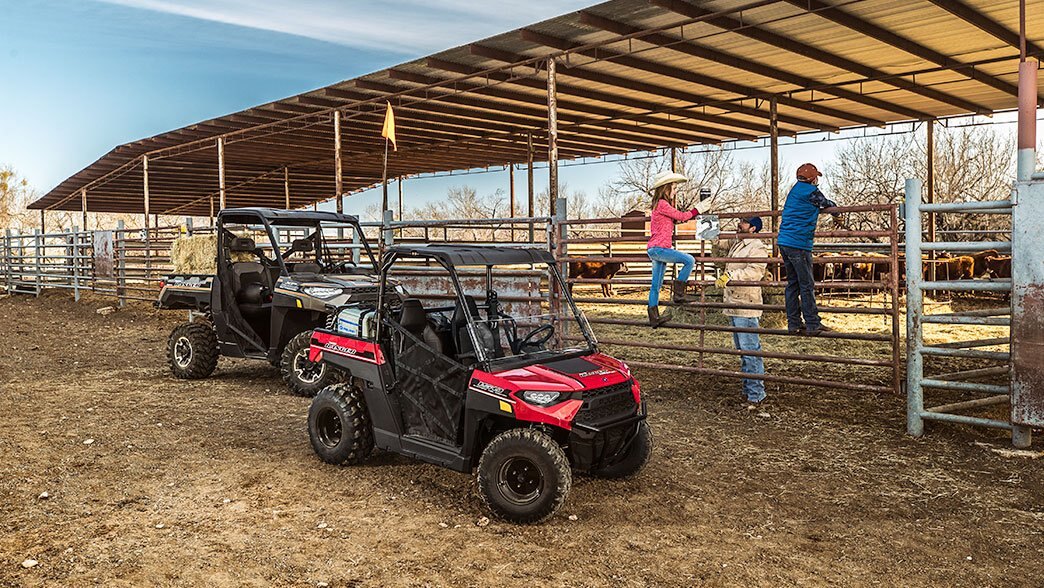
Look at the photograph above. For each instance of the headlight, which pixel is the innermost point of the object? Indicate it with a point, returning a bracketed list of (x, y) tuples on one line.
[(540, 398), (321, 291)]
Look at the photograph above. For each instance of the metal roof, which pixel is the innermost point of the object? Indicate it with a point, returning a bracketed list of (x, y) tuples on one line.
[(633, 75)]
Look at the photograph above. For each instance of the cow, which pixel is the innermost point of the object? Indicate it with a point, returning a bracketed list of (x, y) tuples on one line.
[(955, 268), (998, 266), (598, 270), (980, 261)]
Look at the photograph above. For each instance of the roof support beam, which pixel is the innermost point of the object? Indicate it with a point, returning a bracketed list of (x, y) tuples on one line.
[(704, 52), (689, 77), (552, 137), (625, 101), (776, 40), (984, 23), (338, 178), (886, 36)]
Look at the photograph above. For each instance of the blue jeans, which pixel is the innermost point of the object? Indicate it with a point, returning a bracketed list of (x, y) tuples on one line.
[(660, 257), (749, 364), (800, 292)]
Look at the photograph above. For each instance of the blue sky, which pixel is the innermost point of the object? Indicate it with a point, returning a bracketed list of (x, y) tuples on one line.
[(82, 76)]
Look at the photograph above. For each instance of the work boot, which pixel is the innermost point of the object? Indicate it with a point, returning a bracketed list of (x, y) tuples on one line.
[(678, 295), (654, 317), (817, 331)]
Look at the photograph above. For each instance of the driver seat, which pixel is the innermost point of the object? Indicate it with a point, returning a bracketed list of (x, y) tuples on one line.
[(459, 328), (414, 318)]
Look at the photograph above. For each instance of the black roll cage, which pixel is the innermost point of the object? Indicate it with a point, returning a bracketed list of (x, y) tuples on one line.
[(393, 255)]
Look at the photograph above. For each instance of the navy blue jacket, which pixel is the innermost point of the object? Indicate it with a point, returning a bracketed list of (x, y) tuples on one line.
[(800, 215)]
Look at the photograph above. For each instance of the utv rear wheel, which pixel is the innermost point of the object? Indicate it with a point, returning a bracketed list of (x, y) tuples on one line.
[(634, 459), (339, 426), (192, 350), (304, 376), (524, 476)]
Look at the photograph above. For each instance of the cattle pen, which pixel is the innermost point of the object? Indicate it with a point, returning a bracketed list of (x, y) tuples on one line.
[(617, 78)]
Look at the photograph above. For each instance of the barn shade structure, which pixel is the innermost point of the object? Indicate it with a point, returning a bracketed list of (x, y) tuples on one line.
[(621, 76)]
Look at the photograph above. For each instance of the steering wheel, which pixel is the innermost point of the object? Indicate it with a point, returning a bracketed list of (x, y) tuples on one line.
[(535, 338)]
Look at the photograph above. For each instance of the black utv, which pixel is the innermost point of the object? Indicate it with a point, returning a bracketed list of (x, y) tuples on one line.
[(280, 274)]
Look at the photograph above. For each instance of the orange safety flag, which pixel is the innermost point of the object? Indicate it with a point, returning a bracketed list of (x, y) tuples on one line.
[(388, 132)]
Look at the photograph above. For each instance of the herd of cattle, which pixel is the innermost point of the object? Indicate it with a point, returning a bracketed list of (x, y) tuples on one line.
[(984, 264)]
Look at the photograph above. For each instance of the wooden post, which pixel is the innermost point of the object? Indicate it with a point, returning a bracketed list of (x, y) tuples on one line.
[(221, 172), (338, 179), (511, 198), (43, 221), (529, 172), (211, 210), (674, 159), (83, 206), (286, 186), (121, 262), (552, 136)]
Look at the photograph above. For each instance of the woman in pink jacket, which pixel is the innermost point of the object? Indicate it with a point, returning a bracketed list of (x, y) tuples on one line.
[(661, 242)]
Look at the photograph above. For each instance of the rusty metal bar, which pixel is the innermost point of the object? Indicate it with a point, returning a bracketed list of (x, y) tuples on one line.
[(966, 353), (764, 377), (969, 404), (339, 169), (531, 210), (1002, 370), (832, 210), (727, 351), (763, 307), (974, 343), (730, 329), (221, 173)]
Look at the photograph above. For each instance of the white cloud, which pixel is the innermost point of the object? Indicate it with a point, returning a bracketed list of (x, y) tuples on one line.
[(403, 26)]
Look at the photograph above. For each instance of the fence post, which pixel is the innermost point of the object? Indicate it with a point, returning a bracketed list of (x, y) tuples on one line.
[(121, 275), (188, 225), (74, 239), (388, 235), (38, 247), (356, 244), (8, 261), (556, 244), (914, 311)]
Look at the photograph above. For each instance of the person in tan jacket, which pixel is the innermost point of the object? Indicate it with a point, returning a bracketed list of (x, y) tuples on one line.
[(746, 318)]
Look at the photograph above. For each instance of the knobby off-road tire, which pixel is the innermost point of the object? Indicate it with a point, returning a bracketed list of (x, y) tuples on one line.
[(304, 377), (524, 476), (339, 425), (192, 350), (638, 454)]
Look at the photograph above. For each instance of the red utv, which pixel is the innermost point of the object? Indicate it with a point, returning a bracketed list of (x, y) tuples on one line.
[(477, 376)]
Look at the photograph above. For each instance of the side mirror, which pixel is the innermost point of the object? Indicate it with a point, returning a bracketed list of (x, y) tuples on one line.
[(302, 245)]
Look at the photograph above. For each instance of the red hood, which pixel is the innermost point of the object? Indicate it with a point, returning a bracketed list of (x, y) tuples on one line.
[(559, 376)]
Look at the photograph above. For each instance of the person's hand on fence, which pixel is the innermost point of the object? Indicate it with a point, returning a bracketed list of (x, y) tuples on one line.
[(694, 212), (723, 280)]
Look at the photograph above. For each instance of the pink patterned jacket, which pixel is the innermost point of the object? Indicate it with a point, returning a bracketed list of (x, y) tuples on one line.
[(661, 225)]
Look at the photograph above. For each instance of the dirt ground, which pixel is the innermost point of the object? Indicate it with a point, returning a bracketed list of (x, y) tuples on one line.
[(157, 482)]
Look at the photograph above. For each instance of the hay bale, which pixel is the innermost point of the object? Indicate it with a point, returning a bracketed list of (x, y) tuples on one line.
[(194, 254)]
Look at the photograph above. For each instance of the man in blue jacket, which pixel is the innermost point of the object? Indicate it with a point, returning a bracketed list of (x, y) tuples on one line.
[(796, 230)]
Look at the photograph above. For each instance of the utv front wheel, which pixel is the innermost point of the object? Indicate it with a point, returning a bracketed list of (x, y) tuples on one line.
[(339, 426), (634, 458), (304, 376), (524, 476), (192, 351)]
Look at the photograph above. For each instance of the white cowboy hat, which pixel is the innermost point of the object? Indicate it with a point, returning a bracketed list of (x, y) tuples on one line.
[(667, 177)]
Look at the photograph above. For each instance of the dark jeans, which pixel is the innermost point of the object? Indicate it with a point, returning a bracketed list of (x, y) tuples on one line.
[(800, 295)]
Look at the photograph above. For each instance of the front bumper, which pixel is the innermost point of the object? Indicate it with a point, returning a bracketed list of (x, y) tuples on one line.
[(596, 446)]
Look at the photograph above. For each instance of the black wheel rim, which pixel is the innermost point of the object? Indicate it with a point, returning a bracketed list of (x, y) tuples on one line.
[(520, 480), (307, 371), (182, 352), (328, 427)]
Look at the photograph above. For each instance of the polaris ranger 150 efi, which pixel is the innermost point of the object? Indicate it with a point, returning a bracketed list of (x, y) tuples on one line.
[(276, 280), (481, 377)]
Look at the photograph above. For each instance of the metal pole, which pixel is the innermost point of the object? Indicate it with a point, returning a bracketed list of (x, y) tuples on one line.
[(1027, 157), (530, 211), (338, 170), (211, 211), (221, 172), (893, 219), (552, 136), (511, 197), (145, 193), (674, 159), (774, 177), (400, 197), (286, 186), (914, 310), (43, 221), (83, 206), (8, 259)]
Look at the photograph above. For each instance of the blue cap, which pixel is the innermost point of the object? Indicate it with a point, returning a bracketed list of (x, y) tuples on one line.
[(755, 221)]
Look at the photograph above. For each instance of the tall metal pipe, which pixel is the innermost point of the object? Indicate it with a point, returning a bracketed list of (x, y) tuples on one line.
[(1027, 157), (914, 311), (552, 136), (221, 173)]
